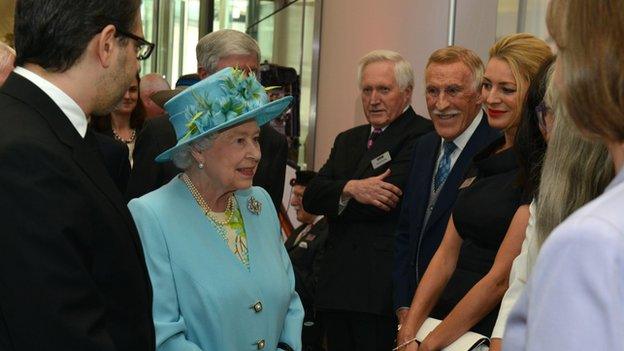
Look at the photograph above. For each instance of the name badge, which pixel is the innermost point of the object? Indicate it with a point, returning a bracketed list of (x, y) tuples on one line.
[(381, 160), (467, 182)]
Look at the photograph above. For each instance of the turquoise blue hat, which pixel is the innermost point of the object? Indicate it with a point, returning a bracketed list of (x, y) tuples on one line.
[(223, 100)]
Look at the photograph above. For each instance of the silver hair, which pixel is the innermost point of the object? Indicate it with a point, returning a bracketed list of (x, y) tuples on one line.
[(576, 169), (222, 43), (183, 158), (151, 83), (403, 72)]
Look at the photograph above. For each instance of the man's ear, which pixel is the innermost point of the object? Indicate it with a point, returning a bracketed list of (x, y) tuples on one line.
[(408, 94), (202, 72), (105, 45)]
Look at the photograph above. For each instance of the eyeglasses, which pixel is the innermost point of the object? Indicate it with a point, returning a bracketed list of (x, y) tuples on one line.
[(143, 48), (542, 110)]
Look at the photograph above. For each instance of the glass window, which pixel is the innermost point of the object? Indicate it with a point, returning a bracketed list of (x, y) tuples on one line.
[(175, 33), (515, 16)]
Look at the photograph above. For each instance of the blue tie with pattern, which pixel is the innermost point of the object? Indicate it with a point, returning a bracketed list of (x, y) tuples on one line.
[(444, 168)]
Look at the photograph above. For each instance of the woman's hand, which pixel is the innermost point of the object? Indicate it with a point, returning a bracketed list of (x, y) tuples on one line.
[(426, 346), (405, 334)]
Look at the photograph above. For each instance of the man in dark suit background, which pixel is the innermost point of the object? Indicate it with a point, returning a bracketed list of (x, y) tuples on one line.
[(305, 248), (215, 51), (115, 157), (72, 270), (358, 190), (439, 162), (152, 83)]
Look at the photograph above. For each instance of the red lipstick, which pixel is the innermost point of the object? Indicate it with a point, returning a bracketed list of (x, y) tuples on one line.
[(495, 113)]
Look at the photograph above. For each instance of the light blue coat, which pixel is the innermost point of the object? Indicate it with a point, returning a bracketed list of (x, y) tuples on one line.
[(204, 296)]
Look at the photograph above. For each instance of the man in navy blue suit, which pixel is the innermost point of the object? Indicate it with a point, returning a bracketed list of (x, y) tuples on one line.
[(439, 162)]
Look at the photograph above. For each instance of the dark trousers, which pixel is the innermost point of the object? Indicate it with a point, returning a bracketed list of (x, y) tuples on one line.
[(349, 331)]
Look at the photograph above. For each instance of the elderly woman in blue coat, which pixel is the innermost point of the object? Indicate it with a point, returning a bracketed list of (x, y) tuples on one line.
[(221, 277)]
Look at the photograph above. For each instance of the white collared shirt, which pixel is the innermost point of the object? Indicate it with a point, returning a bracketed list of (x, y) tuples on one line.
[(306, 230), (384, 128), (70, 108), (460, 141)]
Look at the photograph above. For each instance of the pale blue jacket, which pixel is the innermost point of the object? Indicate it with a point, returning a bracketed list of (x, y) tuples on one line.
[(574, 300), (204, 297)]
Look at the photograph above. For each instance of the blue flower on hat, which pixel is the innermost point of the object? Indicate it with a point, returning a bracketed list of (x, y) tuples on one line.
[(243, 94), (219, 102)]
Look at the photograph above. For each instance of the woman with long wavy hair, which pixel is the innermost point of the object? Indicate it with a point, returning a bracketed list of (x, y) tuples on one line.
[(575, 171), (575, 297)]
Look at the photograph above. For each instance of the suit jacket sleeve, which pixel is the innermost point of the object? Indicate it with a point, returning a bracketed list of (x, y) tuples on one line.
[(399, 170), (53, 281), (402, 260), (322, 195), (168, 322)]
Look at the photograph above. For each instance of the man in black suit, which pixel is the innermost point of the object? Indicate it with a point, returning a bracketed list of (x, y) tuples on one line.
[(72, 270), (358, 190), (305, 247), (439, 163), (115, 157), (215, 51)]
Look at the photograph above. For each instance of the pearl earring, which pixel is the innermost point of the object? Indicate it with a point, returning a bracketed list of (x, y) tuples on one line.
[(200, 166)]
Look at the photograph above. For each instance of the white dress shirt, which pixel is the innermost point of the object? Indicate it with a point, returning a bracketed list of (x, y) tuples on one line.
[(460, 141), (69, 107)]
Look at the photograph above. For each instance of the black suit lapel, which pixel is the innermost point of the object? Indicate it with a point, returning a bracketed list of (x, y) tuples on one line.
[(429, 168), (477, 141), (290, 242), (385, 142), (358, 150), (88, 159)]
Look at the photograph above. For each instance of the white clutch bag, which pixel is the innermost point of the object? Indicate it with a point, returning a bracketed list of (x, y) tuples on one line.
[(470, 341)]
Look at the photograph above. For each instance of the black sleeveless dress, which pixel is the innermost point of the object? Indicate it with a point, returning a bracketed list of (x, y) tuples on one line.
[(482, 214)]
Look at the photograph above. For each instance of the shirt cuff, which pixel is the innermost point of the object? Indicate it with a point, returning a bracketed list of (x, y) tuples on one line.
[(342, 203)]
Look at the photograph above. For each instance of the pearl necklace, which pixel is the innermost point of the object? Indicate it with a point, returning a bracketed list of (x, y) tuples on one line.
[(229, 210), (126, 141)]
